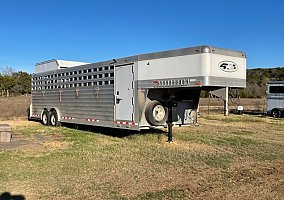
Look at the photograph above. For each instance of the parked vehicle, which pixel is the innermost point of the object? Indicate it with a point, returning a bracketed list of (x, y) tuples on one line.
[(275, 98), (133, 92)]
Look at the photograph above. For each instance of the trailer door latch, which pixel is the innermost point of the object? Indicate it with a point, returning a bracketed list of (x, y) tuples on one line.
[(118, 100)]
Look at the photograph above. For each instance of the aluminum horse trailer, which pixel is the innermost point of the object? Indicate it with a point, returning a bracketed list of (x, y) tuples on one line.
[(275, 98), (133, 92)]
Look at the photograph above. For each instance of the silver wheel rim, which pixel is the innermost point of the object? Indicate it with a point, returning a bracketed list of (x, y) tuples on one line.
[(52, 120), (159, 113), (44, 119)]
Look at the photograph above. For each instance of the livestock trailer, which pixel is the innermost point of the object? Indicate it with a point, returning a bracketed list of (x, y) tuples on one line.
[(133, 92), (275, 98)]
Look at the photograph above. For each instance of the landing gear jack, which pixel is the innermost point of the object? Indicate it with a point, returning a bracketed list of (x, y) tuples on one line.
[(171, 118), (170, 132)]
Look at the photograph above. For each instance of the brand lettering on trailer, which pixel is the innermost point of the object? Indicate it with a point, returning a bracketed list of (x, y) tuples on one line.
[(228, 66), (176, 82)]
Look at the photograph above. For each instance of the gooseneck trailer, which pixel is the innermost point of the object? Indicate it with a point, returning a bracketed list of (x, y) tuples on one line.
[(275, 98), (133, 92)]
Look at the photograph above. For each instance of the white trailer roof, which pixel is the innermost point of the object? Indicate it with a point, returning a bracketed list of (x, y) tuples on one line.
[(56, 64)]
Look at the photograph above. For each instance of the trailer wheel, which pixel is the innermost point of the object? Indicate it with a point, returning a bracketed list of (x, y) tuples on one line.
[(54, 118), (156, 114), (45, 118), (276, 113)]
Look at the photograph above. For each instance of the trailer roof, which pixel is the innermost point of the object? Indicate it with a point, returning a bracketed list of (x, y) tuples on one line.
[(169, 53), (275, 82)]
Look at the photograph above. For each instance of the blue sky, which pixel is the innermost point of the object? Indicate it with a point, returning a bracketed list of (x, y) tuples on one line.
[(32, 31)]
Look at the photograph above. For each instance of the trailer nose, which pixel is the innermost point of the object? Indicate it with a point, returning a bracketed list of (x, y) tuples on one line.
[(205, 49)]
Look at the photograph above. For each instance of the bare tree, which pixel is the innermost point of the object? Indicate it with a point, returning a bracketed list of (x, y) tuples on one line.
[(7, 71)]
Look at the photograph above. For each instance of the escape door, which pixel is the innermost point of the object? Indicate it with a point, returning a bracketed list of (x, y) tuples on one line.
[(124, 93)]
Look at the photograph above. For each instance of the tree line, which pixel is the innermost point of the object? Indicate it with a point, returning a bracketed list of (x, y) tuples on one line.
[(16, 83), (257, 79)]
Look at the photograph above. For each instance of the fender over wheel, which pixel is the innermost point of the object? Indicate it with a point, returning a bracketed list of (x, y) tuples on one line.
[(156, 114)]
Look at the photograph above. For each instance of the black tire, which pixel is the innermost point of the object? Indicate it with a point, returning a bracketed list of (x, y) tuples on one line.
[(276, 113), (54, 119), (156, 114), (45, 118)]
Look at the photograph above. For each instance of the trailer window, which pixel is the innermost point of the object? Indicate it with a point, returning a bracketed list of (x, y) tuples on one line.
[(276, 89)]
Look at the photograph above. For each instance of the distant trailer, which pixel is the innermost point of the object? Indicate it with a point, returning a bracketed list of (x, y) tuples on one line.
[(275, 98), (134, 92)]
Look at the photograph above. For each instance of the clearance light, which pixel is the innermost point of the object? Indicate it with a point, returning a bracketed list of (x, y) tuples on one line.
[(197, 83), (155, 82)]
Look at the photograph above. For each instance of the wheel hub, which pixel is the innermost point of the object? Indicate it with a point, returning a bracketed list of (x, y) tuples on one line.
[(159, 113)]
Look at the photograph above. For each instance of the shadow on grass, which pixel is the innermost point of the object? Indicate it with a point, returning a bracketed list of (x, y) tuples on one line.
[(8, 196), (120, 133)]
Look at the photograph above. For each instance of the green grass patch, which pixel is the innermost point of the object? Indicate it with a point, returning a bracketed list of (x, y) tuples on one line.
[(99, 166), (234, 118)]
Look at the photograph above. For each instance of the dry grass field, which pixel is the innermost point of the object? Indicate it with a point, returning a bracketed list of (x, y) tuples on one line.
[(217, 105), (235, 157), (12, 107)]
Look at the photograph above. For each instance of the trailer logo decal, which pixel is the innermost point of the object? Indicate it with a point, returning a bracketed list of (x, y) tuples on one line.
[(228, 66)]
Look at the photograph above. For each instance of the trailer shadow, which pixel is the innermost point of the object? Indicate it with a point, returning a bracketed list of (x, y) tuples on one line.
[(120, 133), (9, 196)]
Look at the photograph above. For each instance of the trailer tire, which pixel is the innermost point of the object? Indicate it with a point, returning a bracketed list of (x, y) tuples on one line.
[(276, 113), (45, 118), (54, 118), (156, 114)]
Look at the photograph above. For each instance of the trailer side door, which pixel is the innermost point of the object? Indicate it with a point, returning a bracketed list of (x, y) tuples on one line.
[(124, 93)]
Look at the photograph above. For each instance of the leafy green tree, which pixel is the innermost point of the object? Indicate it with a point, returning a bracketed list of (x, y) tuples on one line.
[(22, 82)]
